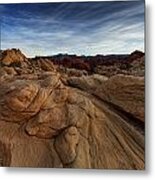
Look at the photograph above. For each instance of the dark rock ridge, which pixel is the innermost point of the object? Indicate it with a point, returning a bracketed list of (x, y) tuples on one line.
[(90, 63), (50, 118), (109, 65)]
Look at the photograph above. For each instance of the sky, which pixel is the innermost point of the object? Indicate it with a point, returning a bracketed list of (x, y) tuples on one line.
[(112, 27)]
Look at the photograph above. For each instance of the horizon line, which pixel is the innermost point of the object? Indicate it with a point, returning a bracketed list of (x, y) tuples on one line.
[(72, 54)]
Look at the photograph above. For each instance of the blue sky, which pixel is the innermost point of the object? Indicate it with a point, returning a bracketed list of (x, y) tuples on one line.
[(75, 28)]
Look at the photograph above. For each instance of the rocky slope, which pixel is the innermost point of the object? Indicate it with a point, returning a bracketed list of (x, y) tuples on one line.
[(125, 92), (11, 56), (51, 120)]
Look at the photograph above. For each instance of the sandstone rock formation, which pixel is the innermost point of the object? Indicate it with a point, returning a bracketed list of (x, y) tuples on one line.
[(108, 65), (44, 123), (125, 92), (12, 56), (53, 116), (72, 72), (42, 64)]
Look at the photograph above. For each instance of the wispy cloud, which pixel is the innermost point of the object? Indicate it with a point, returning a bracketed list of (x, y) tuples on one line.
[(80, 28)]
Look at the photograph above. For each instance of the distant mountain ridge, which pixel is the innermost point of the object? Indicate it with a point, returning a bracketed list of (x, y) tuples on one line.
[(99, 64), (17, 54)]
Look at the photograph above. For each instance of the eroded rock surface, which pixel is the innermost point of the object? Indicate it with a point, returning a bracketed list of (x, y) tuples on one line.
[(53, 115), (45, 123), (123, 91), (10, 56)]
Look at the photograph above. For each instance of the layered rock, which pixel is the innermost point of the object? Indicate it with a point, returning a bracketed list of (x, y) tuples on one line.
[(53, 116), (40, 64), (44, 123), (11, 56), (125, 92)]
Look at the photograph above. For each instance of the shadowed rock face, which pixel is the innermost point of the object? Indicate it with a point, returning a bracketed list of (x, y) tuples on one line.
[(5, 155), (44, 123)]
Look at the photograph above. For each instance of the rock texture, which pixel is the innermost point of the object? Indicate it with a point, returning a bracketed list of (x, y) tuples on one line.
[(109, 65), (12, 56), (44, 123), (125, 92), (49, 119)]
